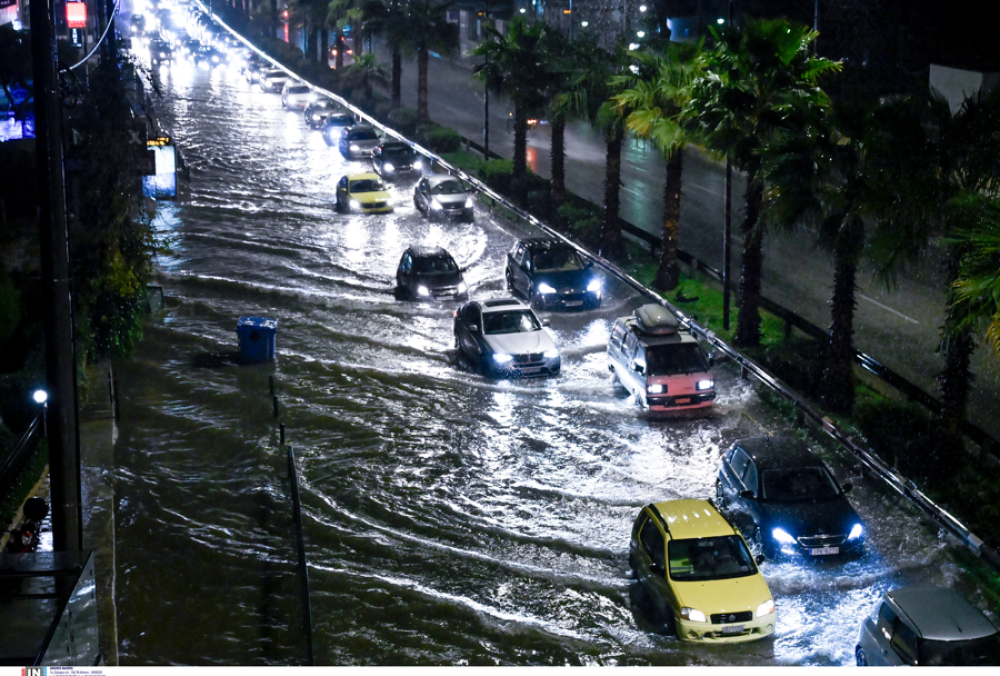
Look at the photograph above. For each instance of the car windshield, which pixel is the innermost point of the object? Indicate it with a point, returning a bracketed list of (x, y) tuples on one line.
[(275, 73), (557, 259), (396, 151), (512, 321), (666, 360), (367, 185), (714, 558), (340, 120), (977, 652), (454, 187), (436, 264), (299, 89), (363, 135), (797, 484)]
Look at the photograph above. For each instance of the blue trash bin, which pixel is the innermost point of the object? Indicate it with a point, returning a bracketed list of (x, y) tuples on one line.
[(256, 336)]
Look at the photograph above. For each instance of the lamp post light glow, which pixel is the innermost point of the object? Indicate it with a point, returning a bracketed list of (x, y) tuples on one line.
[(40, 396)]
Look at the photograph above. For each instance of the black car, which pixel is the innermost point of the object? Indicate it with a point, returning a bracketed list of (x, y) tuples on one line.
[(429, 273), (551, 274), (160, 50), (781, 492), (394, 159), (334, 124), (317, 112)]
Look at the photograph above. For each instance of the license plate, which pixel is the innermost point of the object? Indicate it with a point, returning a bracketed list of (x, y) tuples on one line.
[(822, 551), (685, 400), (532, 369), (574, 303), (733, 629)]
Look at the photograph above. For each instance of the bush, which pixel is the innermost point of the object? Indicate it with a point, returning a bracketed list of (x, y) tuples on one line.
[(497, 174), (906, 437), (440, 139), (403, 120), (582, 223)]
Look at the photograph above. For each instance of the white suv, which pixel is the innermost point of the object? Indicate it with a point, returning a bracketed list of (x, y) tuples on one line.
[(505, 338), (664, 366)]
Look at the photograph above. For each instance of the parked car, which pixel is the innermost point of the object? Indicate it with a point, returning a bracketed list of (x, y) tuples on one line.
[(787, 497), (429, 273), (297, 95), (317, 111), (335, 124), (395, 159), (363, 192), (160, 51), (926, 626), (699, 574), (505, 338), (358, 141), (662, 365), (273, 80), (550, 273), (443, 195)]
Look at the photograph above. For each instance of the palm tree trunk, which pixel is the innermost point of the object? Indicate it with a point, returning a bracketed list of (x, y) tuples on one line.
[(397, 78), (274, 18), (422, 58), (838, 375), (338, 63), (520, 143), (324, 46), (611, 229), (359, 42), (558, 159), (748, 302), (957, 346), (668, 273)]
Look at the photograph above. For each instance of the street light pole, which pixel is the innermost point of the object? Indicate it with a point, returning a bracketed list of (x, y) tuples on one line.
[(486, 98), (728, 225)]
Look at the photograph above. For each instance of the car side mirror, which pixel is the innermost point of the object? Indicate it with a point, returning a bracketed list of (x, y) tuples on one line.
[(465, 269), (638, 368), (759, 559), (748, 494), (847, 487), (546, 322)]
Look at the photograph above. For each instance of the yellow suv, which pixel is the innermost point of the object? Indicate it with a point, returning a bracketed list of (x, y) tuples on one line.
[(692, 562)]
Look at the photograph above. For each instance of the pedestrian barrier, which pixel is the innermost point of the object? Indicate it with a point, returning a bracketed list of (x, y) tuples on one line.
[(748, 367)]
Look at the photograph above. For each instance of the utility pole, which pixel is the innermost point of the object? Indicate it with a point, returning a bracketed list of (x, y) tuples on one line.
[(60, 358), (727, 231), (486, 97)]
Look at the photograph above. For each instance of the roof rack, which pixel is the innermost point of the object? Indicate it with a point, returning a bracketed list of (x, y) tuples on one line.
[(656, 320)]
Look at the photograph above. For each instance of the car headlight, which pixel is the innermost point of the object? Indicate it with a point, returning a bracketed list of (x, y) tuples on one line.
[(551, 353), (462, 287), (594, 286), (387, 166), (468, 203), (693, 615), (501, 358), (355, 204), (423, 291), (856, 532), (435, 205), (766, 608), (545, 288), (355, 147), (317, 117), (782, 536), (417, 164), (703, 385), (656, 388)]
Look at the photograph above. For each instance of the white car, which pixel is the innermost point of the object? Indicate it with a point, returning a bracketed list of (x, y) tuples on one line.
[(273, 80), (505, 338), (297, 95)]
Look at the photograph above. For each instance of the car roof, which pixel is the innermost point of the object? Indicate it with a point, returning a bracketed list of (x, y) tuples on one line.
[(395, 144), (941, 614), (428, 251), (691, 518), (434, 179), (779, 451), (649, 339), (537, 243), (501, 304), (363, 176)]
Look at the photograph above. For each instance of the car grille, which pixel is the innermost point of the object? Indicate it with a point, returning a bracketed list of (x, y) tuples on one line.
[(692, 400), (445, 292), (818, 541), (531, 358), (729, 618), (374, 205)]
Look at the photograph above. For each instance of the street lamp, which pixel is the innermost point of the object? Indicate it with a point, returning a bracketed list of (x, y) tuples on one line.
[(41, 397)]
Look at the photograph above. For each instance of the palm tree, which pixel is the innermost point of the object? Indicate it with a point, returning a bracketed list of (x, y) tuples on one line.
[(364, 74), (514, 65), (388, 19), (756, 82), (429, 31), (656, 95), (858, 177), (976, 289)]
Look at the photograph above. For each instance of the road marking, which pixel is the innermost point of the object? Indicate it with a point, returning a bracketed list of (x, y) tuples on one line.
[(886, 307)]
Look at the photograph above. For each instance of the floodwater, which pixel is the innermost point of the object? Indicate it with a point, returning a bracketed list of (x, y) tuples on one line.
[(448, 519)]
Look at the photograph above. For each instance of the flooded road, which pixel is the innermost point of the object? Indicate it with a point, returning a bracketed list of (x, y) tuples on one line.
[(448, 518)]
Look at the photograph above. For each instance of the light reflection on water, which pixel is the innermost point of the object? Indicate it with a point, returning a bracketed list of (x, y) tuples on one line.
[(449, 519)]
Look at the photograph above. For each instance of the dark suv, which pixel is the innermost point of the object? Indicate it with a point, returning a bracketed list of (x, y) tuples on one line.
[(394, 159), (550, 273), (427, 273)]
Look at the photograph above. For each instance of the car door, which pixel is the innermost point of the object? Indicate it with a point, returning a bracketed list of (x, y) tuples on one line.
[(632, 381), (514, 258), (897, 644), (469, 331), (420, 195), (651, 563), (404, 274), (377, 160), (731, 479), (616, 358)]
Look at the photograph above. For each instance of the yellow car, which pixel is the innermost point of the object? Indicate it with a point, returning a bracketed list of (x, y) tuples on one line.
[(695, 565), (363, 192)]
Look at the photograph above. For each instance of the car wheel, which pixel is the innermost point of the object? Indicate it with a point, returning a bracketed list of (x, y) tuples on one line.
[(457, 344), (510, 282), (860, 656), (720, 496)]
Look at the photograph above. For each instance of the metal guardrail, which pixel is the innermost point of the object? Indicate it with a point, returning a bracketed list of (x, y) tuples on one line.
[(857, 448), (24, 445)]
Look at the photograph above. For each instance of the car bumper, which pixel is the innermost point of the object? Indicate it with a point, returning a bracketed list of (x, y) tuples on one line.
[(821, 551), (740, 632), (568, 301), (681, 402), (527, 368)]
